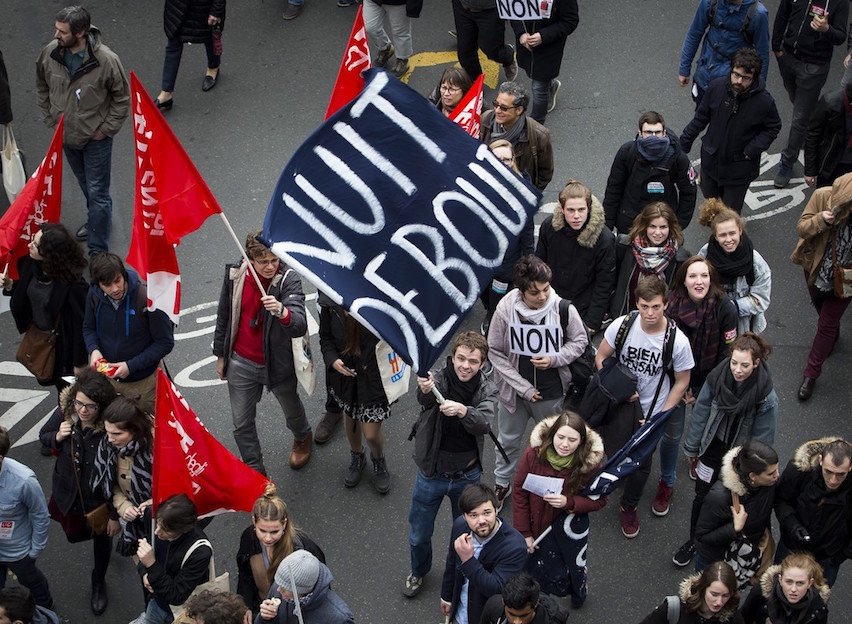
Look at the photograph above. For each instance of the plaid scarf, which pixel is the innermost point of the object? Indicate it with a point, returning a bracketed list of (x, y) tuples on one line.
[(701, 319), (653, 260)]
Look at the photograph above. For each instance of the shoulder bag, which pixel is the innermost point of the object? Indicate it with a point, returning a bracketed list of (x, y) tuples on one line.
[(37, 351), (221, 583), (98, 517), (842, 274), (744, 556)]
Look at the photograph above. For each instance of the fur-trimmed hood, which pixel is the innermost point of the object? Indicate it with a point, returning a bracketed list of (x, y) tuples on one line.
[(767, 581), (730, 478), (725, 614), (66, 404), (588, 237), (806, 457), (593, 445)]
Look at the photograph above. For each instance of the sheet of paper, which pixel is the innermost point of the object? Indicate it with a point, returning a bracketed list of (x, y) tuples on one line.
[(537, 484)]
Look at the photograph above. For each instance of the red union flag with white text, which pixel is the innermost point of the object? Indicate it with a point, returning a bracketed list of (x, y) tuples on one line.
[(38, 202), (189, 460), (356, 59), (171, 201), (468, 112)]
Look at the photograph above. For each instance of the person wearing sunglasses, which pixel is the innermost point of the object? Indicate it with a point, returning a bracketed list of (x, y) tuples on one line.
[(530, 140), (253, 347)]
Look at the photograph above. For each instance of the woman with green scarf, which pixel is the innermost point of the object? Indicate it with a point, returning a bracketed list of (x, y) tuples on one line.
[(563, 447)]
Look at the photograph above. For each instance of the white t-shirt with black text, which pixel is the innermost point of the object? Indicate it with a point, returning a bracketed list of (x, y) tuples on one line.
[(643, 354)]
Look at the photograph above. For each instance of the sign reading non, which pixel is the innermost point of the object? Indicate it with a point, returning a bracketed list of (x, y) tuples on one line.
[(534, 340), (524, 9)]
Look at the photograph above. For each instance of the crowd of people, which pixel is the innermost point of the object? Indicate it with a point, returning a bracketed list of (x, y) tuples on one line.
[(679, 334)]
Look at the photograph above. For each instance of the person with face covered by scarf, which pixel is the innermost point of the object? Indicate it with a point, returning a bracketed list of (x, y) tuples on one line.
[(651, 168)]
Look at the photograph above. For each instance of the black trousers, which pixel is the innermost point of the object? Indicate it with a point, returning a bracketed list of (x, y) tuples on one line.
[(733, 195), (483, 30), (30, 577)]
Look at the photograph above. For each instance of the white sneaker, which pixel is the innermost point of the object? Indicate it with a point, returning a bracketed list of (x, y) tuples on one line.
[(139, 620)]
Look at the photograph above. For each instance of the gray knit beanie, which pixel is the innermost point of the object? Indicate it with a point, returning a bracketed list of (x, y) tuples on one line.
[(305, 568)]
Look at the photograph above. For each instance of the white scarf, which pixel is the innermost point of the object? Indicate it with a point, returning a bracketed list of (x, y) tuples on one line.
[(531, 315)]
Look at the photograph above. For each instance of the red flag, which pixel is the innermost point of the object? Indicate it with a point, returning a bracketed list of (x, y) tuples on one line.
[(356, 59), (172, 200), (468, 112), (38, 202), (189, 460)]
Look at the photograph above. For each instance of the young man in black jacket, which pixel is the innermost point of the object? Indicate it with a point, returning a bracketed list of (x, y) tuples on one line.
[(803, 40), (652, 167), (741, 121), (448, 444), (813, 504)]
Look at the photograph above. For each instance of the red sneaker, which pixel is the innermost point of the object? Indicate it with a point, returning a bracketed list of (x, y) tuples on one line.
[(662, 499), (629, 522)]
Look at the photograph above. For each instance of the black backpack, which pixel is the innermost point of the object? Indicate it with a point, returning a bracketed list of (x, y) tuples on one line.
[(583, 367)]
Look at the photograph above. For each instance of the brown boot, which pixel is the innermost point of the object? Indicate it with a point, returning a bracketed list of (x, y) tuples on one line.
[(327, 426), (301, 452)]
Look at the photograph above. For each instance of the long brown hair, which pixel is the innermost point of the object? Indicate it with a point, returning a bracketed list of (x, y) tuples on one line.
[(576, 422), (718, 571), (679, 283), (270, 508), (652, 211)]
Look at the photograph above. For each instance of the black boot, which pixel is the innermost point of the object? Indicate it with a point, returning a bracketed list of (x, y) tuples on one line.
[(99, 596)]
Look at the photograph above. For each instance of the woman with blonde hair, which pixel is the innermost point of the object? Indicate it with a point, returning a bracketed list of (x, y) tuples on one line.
[(792, 592), (743, 272), (263, 545), (656, 246)]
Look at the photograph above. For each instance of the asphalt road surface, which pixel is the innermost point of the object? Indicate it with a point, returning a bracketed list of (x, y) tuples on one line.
[(275, 81)]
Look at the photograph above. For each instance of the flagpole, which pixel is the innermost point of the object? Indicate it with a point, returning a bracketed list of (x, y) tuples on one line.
[(243, 252)]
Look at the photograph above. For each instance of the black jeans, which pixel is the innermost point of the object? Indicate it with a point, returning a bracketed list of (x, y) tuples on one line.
[(30, 577), (733, 195), (483, 30)]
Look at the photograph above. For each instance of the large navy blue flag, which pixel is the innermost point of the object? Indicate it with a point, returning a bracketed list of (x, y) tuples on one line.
[(397, 214), (630, 456)]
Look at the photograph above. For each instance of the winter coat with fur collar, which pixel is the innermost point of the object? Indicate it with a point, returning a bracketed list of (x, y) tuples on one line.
[(727, 614), (583, 263), (804, 500), (531, 514), (756, 607), (714, 530)]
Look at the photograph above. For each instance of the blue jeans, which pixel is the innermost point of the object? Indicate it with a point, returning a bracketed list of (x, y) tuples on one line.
[(92, 166), (425, 502), (670, 444), (171, 61), (30, 577), (540, 99), (155, 614)]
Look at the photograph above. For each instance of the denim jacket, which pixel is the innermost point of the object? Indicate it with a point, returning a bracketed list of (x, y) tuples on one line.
[(21, 503)]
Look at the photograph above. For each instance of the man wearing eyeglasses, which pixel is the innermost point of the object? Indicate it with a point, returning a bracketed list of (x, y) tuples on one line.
[(742, 122), (652, 167), (253, 346), (530, 140)]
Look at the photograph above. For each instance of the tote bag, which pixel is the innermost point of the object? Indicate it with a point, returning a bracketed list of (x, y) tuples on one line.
[(14, 176)]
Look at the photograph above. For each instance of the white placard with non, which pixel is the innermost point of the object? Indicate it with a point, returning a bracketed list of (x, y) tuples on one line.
[(535, 340), (524, 9)]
